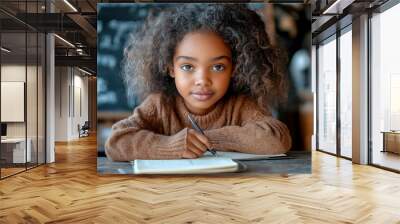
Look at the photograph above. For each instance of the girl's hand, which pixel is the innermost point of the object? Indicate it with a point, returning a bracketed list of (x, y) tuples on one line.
[(196, 145)]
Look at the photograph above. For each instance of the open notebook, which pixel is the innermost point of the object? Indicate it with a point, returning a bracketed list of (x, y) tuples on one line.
[(206, 164), (222, 163)]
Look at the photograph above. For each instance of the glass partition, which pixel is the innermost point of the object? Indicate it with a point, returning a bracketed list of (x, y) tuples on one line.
[(31, 97), (14, 151), (41, 86), (22, 77)]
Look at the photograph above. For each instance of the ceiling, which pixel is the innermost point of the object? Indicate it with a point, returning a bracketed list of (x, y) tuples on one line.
[(329, 16), (76, 25)]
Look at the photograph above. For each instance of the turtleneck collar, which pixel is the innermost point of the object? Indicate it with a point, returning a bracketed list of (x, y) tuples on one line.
[(203, 120)]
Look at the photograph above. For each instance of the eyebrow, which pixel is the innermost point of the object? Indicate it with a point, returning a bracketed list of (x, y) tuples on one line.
[(194, 59)]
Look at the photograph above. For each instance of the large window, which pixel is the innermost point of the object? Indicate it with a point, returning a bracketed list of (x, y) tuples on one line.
[(385, 88), (327, 95), (346, 93), (329, 113)]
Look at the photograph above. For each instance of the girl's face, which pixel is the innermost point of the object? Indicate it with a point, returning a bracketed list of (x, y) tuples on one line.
[(202, 68)]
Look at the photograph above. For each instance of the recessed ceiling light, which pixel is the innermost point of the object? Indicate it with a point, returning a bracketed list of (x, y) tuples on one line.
[(70, 5), (337, 7), (65, 41), (5, 49), (84, 71)]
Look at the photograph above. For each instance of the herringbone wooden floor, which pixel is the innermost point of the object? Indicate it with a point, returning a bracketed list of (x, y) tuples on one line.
[(70, 191)]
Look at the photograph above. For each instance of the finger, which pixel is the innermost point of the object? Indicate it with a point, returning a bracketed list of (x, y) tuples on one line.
[(199, 144), (193, 140), (187, 154), (192, 147), (204, 140)]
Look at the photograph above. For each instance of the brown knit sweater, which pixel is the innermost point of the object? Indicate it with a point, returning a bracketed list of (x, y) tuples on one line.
[(158, 130)]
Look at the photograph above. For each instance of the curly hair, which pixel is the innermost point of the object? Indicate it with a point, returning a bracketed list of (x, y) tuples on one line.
[(258, 66)]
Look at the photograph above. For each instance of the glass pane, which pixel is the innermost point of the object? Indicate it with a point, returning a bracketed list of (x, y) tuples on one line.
[(41, 99), (14, 152), (346, 94), (31, 97), (327, 97), (385, 89)]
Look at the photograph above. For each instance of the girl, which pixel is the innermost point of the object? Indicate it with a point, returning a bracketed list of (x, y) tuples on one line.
[(213, 61)]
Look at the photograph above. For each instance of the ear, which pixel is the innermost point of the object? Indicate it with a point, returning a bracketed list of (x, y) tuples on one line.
[(171, 71)]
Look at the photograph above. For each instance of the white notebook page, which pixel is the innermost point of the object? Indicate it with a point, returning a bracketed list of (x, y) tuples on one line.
[(206, 164)]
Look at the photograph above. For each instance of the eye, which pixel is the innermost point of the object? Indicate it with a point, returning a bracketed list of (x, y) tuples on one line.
[(187, 67), (218, 68)]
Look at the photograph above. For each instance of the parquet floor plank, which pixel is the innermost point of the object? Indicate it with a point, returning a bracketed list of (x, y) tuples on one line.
[(70, 191)]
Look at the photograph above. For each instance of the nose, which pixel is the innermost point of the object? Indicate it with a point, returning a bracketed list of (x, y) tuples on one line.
[(202, 78)]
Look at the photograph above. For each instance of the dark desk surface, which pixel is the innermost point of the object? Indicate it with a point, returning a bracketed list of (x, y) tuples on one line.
[(297, 162)]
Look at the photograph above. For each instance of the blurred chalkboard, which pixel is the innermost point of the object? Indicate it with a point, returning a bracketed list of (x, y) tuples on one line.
[(115, 22)]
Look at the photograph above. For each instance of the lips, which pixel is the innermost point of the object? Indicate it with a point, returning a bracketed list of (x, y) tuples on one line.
[(202, 95)]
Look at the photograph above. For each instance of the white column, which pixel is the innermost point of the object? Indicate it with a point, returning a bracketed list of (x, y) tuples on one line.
[(360, 90), (50, 108), (50, 93)]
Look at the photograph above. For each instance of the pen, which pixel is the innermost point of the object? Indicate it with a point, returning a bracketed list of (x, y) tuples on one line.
[(195, 126)]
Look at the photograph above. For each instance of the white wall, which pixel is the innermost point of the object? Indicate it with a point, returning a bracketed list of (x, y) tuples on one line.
[(61, 103), (70, 83), (80, 101)]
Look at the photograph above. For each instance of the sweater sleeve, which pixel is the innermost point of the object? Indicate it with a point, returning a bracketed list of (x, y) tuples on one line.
[(257, 132), (135, 138)]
